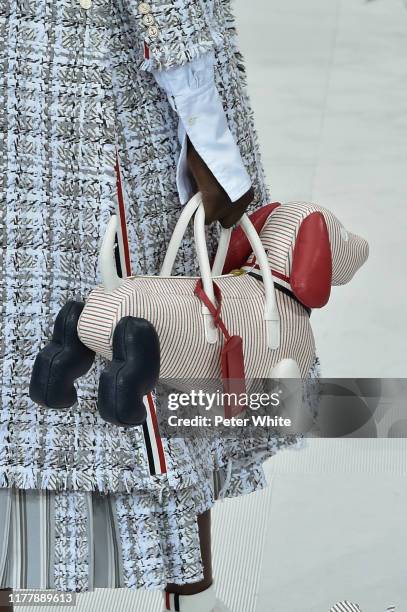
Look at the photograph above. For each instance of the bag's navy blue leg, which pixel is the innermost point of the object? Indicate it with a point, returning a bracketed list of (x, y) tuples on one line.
[(61, 362), (132, 373)]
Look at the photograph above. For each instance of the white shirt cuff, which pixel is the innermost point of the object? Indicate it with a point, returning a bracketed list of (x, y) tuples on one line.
[(192, 92)]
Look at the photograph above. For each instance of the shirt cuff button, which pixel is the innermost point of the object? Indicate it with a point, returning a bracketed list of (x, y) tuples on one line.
[(85, 4)]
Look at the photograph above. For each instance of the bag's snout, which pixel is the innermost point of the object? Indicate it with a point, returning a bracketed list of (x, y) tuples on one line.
[(308, 249), (349, 254)]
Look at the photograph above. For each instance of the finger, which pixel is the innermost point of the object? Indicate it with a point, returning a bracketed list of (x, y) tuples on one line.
[(237, 209), (216, 205), (216, 202)]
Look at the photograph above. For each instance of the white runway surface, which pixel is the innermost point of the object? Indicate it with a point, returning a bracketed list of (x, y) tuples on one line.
[(329, 89)]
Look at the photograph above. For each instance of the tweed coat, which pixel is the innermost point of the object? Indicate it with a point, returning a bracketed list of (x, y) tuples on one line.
[(77, 93)]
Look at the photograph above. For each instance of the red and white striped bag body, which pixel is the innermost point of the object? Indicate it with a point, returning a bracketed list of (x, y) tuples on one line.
[(171, 306), (273, 326)]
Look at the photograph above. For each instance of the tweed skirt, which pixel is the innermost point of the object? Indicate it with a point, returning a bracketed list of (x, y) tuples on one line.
[(75, 541), (78, 541)]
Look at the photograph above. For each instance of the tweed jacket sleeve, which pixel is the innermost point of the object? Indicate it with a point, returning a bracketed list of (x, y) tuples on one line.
[(173, 32)]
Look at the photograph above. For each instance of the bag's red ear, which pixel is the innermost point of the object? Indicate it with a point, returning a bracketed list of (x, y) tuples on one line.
[(239, 247), (311, 270)]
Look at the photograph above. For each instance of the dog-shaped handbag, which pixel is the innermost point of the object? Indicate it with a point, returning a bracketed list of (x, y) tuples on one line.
[(156, 326)]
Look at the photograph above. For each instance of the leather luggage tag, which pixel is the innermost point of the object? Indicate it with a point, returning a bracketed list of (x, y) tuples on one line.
[(232, 358)]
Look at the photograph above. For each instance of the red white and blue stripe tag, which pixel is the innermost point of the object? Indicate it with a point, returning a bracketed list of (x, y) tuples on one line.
[(152, 438), (153, 441)]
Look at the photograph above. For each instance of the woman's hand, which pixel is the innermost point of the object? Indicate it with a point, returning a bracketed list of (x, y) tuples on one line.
[(217, 204)]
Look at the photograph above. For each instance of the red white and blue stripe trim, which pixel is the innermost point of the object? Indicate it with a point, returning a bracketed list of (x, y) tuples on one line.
[(153, 442)]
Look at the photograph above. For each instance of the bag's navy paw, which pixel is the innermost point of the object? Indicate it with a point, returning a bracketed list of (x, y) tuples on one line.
[(132, 373), (61, 362)]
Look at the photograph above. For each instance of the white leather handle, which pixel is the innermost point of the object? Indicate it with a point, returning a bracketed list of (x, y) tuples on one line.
[(107, 261), (178, 234), (211, 331), (111, 280), (221, 252), (195, 205), (271, 314)]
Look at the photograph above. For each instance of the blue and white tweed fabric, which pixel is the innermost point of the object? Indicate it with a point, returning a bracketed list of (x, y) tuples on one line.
[(77, 91), (73, 95)]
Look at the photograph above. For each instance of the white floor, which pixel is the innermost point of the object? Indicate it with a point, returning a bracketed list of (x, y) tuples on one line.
[(330, 527), (328, 80), (329, 89), (328, 84)]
